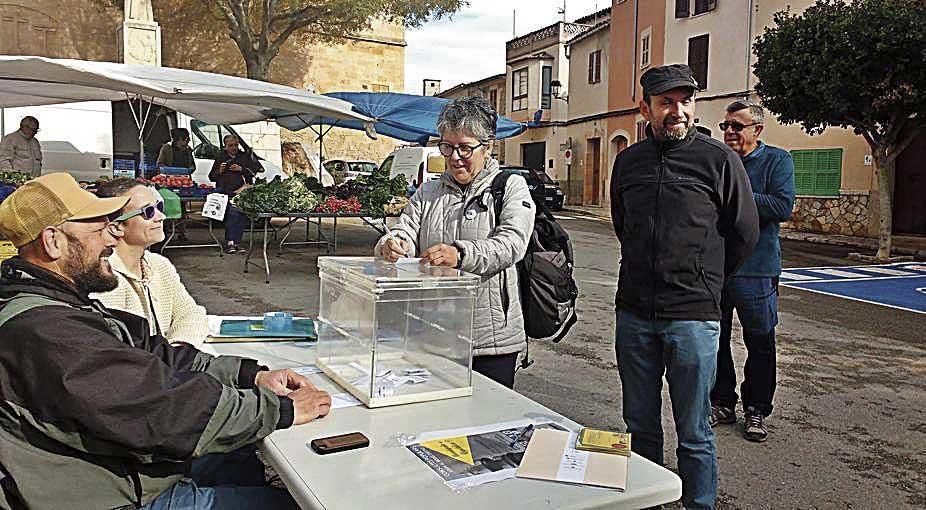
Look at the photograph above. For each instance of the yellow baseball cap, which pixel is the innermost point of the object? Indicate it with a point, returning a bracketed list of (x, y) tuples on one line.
[(48, 201)]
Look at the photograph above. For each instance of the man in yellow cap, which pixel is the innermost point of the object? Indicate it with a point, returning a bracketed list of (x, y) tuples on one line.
[(97, 412)]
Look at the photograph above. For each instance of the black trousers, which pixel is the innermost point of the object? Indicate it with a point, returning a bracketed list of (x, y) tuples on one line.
[(756, 303), (499, 368)]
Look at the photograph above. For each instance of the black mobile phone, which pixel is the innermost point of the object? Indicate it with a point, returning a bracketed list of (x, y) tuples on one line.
[(340, 443)]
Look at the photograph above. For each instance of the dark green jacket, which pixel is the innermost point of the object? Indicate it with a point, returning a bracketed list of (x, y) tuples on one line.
[(97, 413)]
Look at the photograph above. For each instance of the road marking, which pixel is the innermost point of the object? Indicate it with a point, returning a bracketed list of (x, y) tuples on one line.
[(837, 273), (561, 217), (797, 277), (884, 270)]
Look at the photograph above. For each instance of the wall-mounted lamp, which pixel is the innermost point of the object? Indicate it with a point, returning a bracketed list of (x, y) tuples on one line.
[(556, 87)]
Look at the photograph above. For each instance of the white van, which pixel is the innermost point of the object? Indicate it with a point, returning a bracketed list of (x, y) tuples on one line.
[(417, 164)]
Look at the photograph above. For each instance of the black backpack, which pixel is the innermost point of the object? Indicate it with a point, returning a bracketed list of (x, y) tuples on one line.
[(548, 290)]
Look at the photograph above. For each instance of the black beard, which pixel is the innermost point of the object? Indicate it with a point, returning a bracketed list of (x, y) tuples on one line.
[(90, 278), (93, 279)]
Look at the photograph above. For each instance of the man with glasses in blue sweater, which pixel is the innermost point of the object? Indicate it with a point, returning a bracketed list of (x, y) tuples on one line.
[(753, 291)]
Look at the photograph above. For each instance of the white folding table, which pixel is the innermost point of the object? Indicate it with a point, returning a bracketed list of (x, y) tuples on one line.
[(386, 476)]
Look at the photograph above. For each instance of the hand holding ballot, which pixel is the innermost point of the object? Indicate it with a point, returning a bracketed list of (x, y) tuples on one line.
[(394, 248)]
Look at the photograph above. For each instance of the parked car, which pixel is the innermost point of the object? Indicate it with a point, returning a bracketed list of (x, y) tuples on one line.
[(541, 186), (345, 170)]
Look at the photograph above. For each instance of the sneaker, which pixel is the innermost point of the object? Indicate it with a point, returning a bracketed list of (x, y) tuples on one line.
[(722, 414), (231, 248), (755, 430)]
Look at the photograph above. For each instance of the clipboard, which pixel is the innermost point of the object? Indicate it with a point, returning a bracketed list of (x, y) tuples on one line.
[(551, 456)]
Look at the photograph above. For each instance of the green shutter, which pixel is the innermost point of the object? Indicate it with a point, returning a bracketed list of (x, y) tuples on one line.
[(817, 171)]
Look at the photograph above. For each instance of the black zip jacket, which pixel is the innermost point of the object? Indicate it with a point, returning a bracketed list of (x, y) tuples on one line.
[(686, 219), (97, 413)]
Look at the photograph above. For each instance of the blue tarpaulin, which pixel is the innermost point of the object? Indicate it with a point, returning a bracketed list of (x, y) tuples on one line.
[(402, 116)]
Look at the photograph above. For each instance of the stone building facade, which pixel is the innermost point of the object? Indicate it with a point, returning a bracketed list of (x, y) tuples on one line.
[(371, 61)]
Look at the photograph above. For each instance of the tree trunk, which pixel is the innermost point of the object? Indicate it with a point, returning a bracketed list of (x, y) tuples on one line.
[(885, 168), (258, 67)]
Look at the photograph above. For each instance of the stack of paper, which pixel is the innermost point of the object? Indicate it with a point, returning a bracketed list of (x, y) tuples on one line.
[(551, 455)]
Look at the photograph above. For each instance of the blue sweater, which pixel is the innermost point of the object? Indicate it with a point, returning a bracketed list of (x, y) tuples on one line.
[(771, 174)]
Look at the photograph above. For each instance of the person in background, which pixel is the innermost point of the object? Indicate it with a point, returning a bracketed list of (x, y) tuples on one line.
[(753, 291), (20, 151), (233, 172), (149, 285), (98, 413), (683, 211), (177, 153), (451, 222)]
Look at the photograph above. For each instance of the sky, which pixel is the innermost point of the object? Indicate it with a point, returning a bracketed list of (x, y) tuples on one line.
[(471, 45)]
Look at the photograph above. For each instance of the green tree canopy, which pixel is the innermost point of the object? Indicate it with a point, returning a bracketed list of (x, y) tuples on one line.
[(857, 64)]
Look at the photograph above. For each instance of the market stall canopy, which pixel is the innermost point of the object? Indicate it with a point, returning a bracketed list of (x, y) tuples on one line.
[(402, 116), (209, 97)]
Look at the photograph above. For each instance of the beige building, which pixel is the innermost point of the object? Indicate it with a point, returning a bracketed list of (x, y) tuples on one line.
[(636, 44), (587, 124), (836, 186), (493, 90), (533, 62), (372, 61)]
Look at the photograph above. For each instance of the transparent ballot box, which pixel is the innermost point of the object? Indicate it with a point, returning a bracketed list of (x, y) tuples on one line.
[(396, 333)]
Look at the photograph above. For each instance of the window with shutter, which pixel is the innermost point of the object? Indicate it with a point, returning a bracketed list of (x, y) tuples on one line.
[(594, 66), (817, 171), (697, 58), (702, 6), (546, 90), (682, 9), (519, 90)]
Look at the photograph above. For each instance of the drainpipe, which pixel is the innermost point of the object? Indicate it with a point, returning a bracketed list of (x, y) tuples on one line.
[(636, 41), (749, 44)]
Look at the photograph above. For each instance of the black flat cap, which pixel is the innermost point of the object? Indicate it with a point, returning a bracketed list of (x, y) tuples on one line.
[(664, 78)]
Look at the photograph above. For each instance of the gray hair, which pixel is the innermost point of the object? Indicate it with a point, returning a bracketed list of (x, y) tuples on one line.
[(473, 116), (756, 112)]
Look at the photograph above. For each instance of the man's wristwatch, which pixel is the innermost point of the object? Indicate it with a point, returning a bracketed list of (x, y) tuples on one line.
[(460, 254)]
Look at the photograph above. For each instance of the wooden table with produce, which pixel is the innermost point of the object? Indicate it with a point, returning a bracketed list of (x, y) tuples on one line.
[(301, 198)]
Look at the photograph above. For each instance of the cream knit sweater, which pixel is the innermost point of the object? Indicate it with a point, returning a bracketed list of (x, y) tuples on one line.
[(177, 314)]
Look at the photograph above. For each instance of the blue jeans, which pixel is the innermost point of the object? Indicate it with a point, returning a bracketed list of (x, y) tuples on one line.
[(235, 223), (686, 353), (756, 304), (231, 481)]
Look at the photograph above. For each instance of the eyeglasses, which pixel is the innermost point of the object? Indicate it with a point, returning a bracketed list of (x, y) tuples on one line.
[(464, 151), (147, 212), (736, 126)]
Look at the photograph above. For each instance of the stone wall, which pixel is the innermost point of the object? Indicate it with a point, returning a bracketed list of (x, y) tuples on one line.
[(846, 214)]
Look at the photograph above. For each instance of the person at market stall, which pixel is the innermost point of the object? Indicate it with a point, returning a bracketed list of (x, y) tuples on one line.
[(149, 285), (177, 153), (451, 222), (233, 172), (97, 412), (20, 151)]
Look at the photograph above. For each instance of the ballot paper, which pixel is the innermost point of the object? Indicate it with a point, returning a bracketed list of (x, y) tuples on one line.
[(339, 400), (550, 455), (403, 261)]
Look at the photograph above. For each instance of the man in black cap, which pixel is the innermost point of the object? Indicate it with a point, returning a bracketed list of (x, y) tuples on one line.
[(683, 211)]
